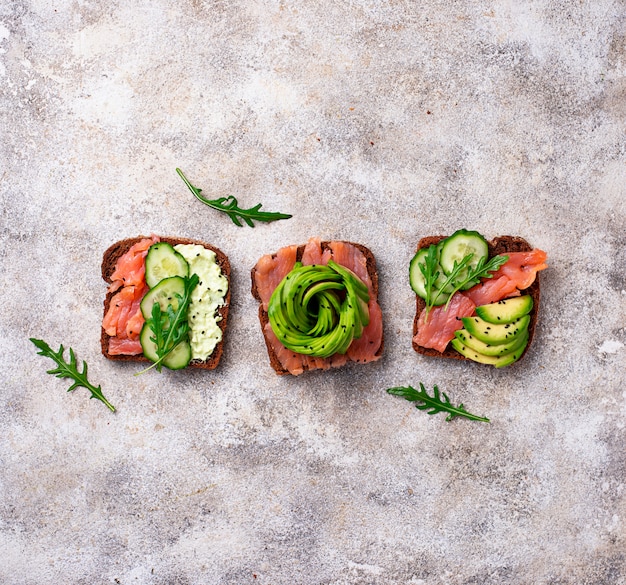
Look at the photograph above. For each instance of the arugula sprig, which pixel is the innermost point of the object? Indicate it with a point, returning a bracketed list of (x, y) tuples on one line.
[(481, 270), (462, 274), (430, 272), (170, 327), (70, 370), (433, 404), (230, 206)]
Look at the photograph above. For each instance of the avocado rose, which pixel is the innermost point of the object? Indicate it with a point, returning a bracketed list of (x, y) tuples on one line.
[(318, 310)]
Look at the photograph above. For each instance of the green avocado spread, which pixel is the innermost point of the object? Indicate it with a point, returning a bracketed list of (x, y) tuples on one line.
[(206, 299)]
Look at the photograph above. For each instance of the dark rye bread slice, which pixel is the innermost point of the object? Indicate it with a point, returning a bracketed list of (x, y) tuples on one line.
[(264, 319), (499, 245), (110, 258)]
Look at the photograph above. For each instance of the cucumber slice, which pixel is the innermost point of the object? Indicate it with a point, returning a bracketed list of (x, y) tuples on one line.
[(418, 284), (162, 262), (177, 359), (416, 278), (460, 244), (507, 310), (163, 293)]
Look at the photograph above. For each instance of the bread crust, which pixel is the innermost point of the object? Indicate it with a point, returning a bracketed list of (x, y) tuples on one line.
[(110, 258), (264, 318), (499, 245)]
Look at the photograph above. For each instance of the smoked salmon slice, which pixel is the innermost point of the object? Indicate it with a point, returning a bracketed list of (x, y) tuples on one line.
[(130, 268), (491, 291), (123, 321), (438, 328), (271, 269), (522, 267)]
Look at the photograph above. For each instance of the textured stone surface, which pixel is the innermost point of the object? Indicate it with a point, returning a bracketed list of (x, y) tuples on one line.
[(377, 122)]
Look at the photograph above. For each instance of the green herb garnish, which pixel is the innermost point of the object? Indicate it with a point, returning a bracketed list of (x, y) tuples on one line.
[(461, 274), (170, 327), (433, 404), (430, 271), (70, 370), (482, 270), (229, 206)]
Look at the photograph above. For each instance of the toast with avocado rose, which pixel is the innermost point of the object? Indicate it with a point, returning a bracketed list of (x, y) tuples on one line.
[(318, 306)]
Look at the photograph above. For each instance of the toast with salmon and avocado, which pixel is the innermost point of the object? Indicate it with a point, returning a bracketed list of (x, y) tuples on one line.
[(318, 306), (167, 302), (475, 299)]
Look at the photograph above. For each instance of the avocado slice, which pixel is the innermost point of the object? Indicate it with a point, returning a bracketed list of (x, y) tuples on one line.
[(506, 310), (497, 361), (495, 334), (467, 339)]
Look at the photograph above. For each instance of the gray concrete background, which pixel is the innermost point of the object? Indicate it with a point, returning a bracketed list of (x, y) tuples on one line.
[(377, 122)]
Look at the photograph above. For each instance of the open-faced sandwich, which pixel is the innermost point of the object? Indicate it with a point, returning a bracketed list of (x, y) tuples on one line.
[(167, 302), (319, 306), (476, 299)]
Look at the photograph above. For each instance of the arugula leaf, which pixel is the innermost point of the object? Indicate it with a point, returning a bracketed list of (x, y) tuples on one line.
[(171, 327), (70, 370), (433, 404), (482, 270), (462, 274), (229, 206), (430, 273)]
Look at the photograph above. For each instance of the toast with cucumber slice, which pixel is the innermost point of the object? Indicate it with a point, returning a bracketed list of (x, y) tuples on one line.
[(167, 302), (475, 299)]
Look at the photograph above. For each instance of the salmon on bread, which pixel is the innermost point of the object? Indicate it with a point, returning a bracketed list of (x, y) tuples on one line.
[(271, 270), (433, 330), (123, 269)]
